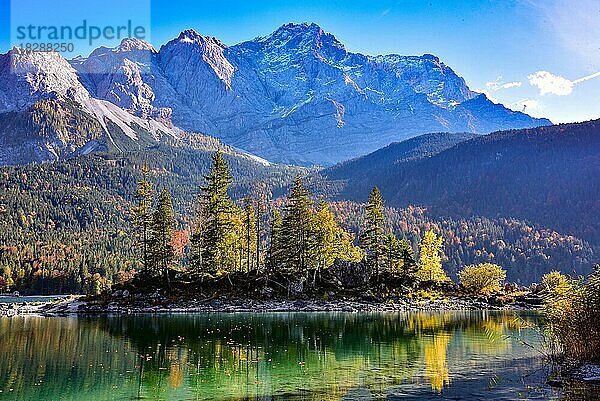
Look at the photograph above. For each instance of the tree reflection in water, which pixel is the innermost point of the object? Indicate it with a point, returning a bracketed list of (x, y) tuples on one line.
[(309, 356)]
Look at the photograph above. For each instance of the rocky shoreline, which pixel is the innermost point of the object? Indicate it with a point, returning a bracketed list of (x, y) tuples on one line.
[(155, 303)]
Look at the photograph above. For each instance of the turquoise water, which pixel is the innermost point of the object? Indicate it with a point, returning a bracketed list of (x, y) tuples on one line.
[(273, 356), (9, 299)]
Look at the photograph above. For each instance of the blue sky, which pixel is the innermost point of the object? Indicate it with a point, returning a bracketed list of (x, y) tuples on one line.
[(541, 54)]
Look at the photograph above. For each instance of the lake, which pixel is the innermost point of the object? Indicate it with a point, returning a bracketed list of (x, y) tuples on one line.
[(10, 299), (275, 356)]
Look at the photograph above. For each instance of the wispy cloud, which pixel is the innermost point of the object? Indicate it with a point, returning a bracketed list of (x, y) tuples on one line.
[(587, 78), (508, 85), (498, 84), (549, 83)]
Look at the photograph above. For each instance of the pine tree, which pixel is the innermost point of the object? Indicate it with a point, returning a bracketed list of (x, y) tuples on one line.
[(392, 253), (259, 215), (409, 264), (83, 277), (197, 236), (261, 193), (142, 216), (430, 259), (161, 243), (372, 238), (275, 252), (249, 235), (399, 257), (216, 242), (297, 228)]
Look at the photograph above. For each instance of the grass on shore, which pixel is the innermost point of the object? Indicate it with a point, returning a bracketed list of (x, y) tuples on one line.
[(572, 311)]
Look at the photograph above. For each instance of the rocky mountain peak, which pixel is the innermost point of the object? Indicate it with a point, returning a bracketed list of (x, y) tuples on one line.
[(193, 37), (191, 53), (297, 29), (294, 96), (131, 48), (303, 38), (133, 44), (26, 77)]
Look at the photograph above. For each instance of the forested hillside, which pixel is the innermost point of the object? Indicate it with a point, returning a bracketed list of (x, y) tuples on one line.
[(364, 168), (66, 226), (548, 176), (526, 251)]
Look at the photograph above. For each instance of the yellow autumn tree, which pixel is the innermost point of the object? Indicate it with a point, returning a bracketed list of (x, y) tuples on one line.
[(430, 259), (329, 241), (553, 280), (484, 278)]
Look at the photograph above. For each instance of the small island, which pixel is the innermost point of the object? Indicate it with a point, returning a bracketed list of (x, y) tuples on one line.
[(308, 262)]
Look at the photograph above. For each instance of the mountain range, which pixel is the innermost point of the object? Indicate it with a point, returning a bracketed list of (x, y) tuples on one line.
[(296, 96), (499, 185)]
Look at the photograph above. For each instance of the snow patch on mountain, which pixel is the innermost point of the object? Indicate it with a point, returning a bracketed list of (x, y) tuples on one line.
[(107, 111)]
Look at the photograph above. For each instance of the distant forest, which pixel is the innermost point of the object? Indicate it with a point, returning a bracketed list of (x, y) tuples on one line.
[(70, 226), (546, 176)]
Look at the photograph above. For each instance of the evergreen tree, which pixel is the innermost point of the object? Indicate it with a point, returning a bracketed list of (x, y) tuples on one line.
[(430, 259), (399, 257), (372, 238), (249, 239), (297, 225), (197, 236), (261, 193), (216, 242), (409, 264), (142, 216), (275, 251), (393, 253), (259, 216), (161, 244), (83, 276)]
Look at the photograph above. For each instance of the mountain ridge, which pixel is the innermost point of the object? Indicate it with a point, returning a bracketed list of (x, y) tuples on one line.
[(273, 94), (293, 96), (549, 176)]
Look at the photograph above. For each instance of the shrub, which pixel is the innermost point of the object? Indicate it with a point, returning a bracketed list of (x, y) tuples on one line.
[(485, 278), (553, 280), (572, 311)]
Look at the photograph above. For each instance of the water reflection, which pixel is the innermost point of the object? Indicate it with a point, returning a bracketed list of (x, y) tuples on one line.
[(305, 356), (436, 368)]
